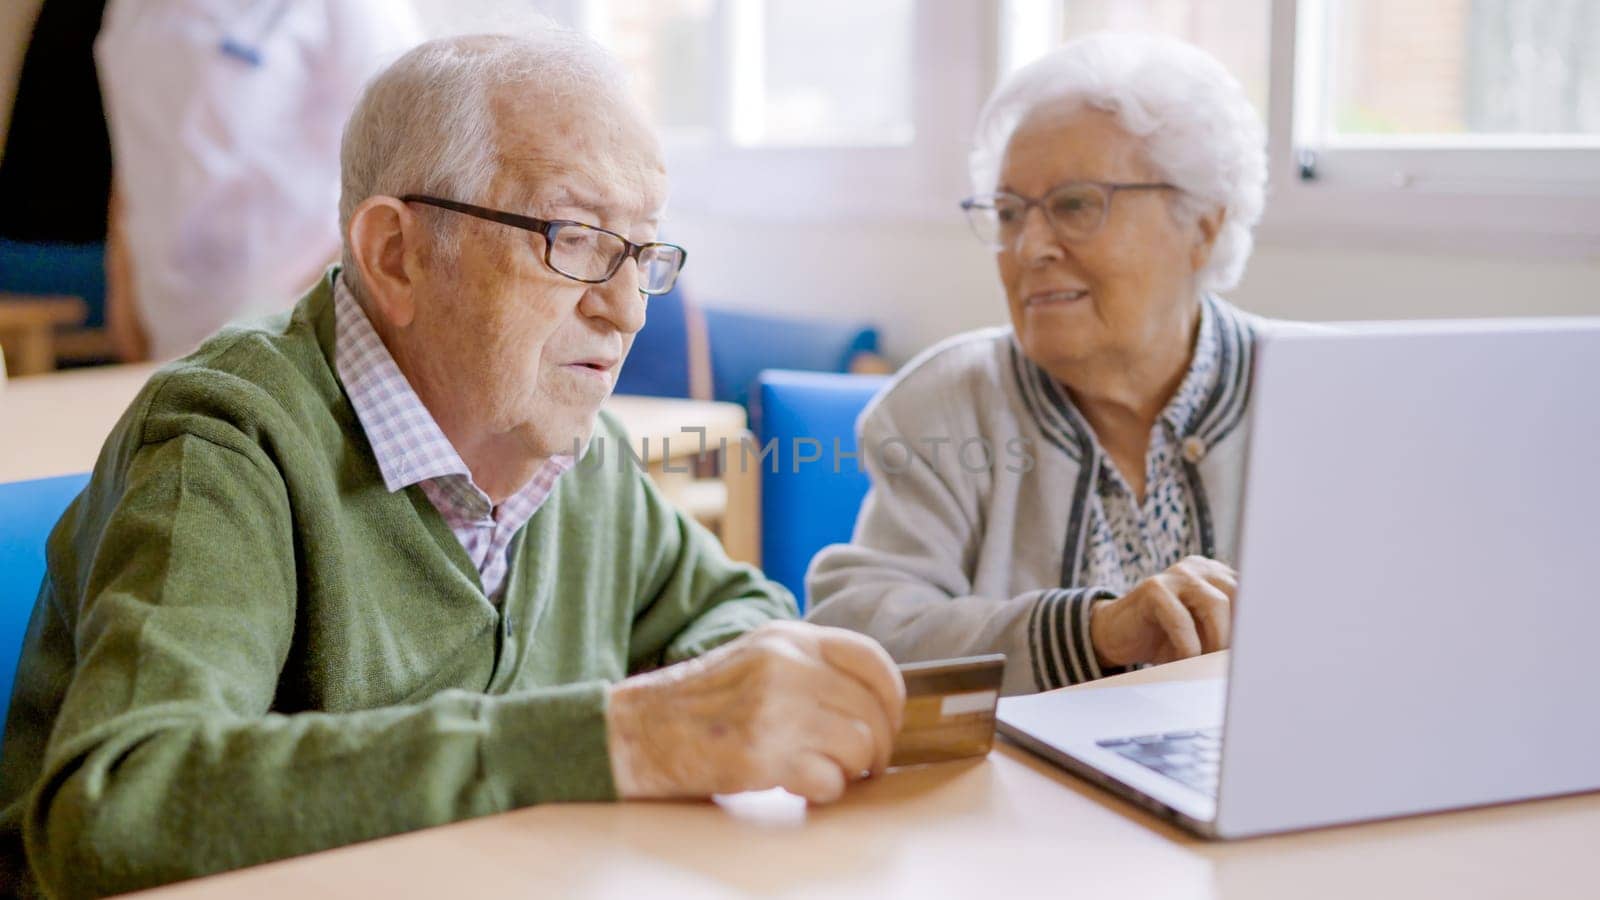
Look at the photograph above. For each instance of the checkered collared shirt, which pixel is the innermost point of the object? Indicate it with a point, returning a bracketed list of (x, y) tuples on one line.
[(411, 449)]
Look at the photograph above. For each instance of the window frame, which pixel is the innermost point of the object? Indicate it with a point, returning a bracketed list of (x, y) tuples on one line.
[(1485, 194), (920, 181), (1494, 195)]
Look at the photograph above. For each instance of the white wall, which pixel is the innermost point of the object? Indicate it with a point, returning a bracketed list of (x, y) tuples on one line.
[(1372, 284), (924, 282)]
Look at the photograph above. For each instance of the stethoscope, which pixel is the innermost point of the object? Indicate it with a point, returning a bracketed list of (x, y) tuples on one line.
[(249, 52)]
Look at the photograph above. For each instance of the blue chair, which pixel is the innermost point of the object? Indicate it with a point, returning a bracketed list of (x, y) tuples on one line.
[(669, 355), (744, 343), (807, 506), (76, 270), (28, 510), (704, 353)]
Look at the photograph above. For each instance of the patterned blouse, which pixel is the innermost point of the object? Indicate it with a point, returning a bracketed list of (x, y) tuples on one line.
[(1129, 542)]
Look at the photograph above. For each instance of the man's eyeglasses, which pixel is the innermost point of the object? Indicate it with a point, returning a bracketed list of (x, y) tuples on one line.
[(1076, 210), (583, 252)]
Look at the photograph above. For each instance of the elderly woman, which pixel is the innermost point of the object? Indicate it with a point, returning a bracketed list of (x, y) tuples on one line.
[(1064, 491)]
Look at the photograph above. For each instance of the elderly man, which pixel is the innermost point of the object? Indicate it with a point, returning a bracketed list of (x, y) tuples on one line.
[(334, 577)]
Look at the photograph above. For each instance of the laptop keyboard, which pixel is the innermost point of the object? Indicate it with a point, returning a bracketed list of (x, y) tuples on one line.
[(1193, 758)]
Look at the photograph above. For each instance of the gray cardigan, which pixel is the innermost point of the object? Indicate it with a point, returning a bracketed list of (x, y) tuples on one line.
[(957, 552)]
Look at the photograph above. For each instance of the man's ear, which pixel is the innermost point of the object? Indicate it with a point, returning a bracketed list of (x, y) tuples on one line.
[(384, 239), (1207, 227)]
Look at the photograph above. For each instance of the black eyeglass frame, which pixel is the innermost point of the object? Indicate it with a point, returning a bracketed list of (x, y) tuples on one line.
[(1108, 189), (548, 228)]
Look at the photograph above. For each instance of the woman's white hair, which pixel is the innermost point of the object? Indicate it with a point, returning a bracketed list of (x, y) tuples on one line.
[(425, 124), (1199, 130)]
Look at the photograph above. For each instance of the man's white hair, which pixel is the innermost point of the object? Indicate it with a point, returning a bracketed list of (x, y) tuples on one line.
[(1199, 130), (425, 125)]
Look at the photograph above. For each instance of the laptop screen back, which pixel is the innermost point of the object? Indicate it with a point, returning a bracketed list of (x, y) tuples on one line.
[(1419, 604)]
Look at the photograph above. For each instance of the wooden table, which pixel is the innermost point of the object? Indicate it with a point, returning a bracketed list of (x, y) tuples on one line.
[(1006, 826), (28, 330), (55, 424)]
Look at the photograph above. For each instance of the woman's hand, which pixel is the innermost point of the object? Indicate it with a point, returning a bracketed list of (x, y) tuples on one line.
[(1183, 612)]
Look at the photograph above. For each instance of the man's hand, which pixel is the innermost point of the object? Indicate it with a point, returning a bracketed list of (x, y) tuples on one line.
[(791, 705), (1183, 612)]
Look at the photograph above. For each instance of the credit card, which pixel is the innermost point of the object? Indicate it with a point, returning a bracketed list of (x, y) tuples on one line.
[(949, 709)]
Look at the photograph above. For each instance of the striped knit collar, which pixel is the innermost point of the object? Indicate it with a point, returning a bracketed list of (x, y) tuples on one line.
[(1209, 403), (1182, 412)]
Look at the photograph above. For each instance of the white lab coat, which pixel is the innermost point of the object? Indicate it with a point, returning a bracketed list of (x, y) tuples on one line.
[(225, 119)]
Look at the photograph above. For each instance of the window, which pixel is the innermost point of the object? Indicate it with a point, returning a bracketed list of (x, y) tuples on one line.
[(1461, 124), (1465, 72), (1237, 32), (1448, 123), (824, 73), (767, 73), (806, 109), (670, 49)]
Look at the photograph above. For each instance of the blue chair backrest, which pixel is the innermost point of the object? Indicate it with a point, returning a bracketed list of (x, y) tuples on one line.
[(658, 364), (77, 270), (807, 506), (28, 510), (745, 343)]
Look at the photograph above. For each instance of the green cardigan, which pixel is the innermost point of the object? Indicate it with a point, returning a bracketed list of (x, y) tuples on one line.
[(246, 648)]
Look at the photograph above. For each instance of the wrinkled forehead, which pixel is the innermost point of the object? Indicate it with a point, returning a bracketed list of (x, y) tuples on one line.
[(595, 152)]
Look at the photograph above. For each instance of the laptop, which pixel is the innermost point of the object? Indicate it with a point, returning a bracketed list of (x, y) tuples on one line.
[(1418, 615)]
